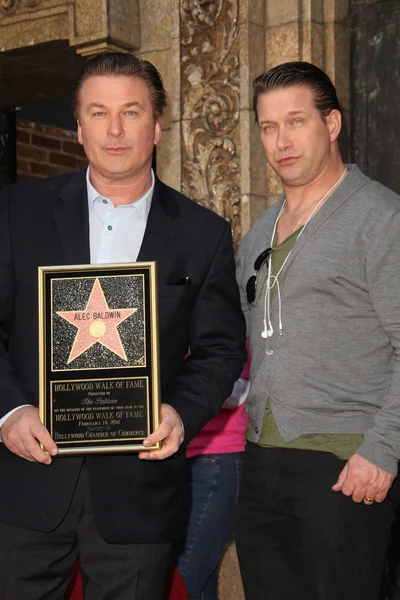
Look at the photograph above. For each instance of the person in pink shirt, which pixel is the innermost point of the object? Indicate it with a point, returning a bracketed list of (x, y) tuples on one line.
[(214, 468)]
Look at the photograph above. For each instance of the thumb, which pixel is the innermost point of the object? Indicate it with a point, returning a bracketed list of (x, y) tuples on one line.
[(159, 434), (341, 479)]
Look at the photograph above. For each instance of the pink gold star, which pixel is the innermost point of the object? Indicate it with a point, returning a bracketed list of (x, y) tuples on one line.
[(97, 324)]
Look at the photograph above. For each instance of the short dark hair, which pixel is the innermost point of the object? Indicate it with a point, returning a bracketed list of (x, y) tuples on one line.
[(301, 74), (127, 65)]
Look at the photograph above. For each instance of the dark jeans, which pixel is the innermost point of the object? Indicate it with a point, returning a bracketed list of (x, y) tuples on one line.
[(391, 587), (210, 506), (296, 538), (37, 566)]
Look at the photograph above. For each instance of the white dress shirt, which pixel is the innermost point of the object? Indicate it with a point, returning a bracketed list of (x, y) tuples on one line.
[(116, 233)]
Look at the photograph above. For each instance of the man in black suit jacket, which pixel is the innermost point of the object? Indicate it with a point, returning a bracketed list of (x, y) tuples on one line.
[(117, 513)]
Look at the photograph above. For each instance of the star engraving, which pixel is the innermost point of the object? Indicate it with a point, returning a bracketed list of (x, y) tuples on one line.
[(97, 324)]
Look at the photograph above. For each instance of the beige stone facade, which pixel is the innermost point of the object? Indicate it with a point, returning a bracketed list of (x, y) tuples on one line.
[(208, 53)]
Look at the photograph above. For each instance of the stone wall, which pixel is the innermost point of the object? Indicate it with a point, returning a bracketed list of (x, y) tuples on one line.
[(316, 31), (209, 54), (159, 29)]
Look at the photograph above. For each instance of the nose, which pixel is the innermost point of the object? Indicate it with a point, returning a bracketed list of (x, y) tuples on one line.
[(115, 127), (283, 140)]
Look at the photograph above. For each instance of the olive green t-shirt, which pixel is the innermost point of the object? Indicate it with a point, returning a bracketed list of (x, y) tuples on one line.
[(342, 445)]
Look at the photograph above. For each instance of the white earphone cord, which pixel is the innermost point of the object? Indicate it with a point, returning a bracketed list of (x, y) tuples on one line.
[(273, 279)]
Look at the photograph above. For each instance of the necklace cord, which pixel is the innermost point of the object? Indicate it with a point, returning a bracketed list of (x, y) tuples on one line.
[(273, 279)]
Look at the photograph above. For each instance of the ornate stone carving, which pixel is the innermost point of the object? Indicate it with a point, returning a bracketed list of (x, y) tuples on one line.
[(8, 7), (210, 106)]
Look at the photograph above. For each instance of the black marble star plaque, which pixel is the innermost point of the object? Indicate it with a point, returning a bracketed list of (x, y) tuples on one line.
[(99, 388)]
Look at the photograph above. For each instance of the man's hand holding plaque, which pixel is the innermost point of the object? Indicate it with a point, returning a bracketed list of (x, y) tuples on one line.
[(169, 434), (24, 434)]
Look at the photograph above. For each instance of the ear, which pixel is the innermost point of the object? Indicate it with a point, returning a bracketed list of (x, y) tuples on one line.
[(157, 132), (334, 123), (79, 132)]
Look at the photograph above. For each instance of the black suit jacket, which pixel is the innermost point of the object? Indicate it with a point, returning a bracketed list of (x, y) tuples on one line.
[(46, 223)]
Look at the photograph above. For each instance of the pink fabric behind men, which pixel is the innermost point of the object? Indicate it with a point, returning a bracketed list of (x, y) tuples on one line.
[(224, 433)]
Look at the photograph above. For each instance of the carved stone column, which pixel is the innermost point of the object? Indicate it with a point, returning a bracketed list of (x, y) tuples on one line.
[(161, 45), (210, 104), (8, 156), (208, 53), (252, 61)]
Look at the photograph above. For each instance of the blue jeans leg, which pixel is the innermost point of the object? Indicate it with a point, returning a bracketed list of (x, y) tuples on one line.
[(210, 506)]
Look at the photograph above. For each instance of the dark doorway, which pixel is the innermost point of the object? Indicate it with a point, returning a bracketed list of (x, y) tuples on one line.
[(36, 84), (375, 89)]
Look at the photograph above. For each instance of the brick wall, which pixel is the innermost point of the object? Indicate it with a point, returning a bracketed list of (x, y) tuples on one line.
[(43, 151)]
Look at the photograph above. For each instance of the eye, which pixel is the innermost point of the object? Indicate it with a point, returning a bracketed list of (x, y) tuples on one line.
[(130, 113), (268, 128), (98, 113), (297, 121)]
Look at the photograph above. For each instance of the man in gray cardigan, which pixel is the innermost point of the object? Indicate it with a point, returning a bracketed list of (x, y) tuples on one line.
[(320, 284)]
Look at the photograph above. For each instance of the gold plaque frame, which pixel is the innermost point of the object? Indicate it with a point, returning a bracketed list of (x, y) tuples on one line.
[(99, 379)]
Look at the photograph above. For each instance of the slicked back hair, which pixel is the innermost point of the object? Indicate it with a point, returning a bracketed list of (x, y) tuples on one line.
[(298, 73), (127, 65)]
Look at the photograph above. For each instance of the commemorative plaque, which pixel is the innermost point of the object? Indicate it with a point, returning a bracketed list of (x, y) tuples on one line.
[(98, 356)]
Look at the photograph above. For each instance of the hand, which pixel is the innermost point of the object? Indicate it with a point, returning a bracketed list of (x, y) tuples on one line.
[(362, 479), (170, 433), (22, 433)]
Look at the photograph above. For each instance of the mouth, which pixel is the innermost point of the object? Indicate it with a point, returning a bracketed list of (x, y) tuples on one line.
[(288, 160), (116, 149)]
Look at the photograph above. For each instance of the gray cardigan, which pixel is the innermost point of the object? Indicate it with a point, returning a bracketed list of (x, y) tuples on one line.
[(336, 366)]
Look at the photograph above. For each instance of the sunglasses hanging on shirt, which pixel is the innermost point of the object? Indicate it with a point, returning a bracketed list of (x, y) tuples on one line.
[(251, 286)]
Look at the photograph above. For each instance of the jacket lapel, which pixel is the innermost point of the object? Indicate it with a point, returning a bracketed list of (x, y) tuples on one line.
[(160, 235), (72, 221)]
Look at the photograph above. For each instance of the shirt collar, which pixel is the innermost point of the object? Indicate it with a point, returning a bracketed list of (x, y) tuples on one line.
[(143, 204)]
